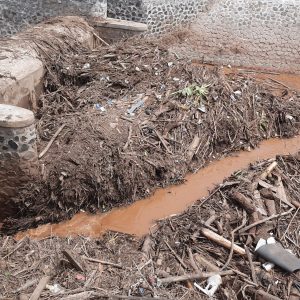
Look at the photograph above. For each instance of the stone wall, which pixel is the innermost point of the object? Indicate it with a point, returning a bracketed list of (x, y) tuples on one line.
[(16, 15), (18, 163), (260, 33), (252, 33), (160, 15)]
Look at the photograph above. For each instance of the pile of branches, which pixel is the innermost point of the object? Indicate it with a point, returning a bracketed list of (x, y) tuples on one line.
[(182, 116), (252, 204)]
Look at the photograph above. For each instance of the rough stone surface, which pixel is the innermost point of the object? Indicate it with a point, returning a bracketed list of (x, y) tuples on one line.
[(249, 33), (260, 33), (18, 163), (257, 33), (14, 117), (16, 15)]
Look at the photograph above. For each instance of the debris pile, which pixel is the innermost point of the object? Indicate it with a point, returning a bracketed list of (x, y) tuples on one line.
[(117, 122), (241, 242)]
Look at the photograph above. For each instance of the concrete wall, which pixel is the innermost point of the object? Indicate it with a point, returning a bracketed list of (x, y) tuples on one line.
[(16, 15)]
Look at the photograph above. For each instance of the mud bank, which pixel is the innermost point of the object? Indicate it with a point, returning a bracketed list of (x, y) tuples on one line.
[(167, 262), (158, 118), (138, 218)]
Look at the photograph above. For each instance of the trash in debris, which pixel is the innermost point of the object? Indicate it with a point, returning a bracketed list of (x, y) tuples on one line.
[(135, 106), (99, 107), (79, 277), (202, 108), (55, 288), (213, 284), (86, 66), (275, 254)]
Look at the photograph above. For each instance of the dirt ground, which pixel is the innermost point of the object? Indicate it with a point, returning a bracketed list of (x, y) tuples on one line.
[(183, 116), (130, 118), (167, 263)]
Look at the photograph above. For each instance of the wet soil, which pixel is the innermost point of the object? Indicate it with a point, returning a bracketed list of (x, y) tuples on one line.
[(138, 218), (105, 157), (121, 265)]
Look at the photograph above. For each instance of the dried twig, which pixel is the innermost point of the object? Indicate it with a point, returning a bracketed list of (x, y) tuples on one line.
[(40, 287), (51, 141), (193, 276), (175, 254), (265, 220), (103, 262)]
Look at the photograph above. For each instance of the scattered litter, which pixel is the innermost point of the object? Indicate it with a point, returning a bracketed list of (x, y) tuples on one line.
[(275, 254), (86, 66), (135, 106), (79, 277), (55, 288), (99, 107), (213, 284), (202, 108)]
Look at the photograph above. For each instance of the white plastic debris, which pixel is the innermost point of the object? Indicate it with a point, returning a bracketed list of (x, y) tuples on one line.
[(202, 108), (55, 288), (170, 64), (238, 93), (213, 284), (268, 266), (176, 79), (100, 107), (86, 66)]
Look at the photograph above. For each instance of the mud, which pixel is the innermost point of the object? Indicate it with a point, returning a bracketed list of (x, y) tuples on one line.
[(138, 218)]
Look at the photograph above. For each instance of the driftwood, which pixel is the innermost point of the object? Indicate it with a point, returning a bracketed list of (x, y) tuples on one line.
[(268, 171), (193, 147), (147, 245), (266, 193), (206, 264), (193, 276), (103, 262), (265, 220), (253, 273), (52, 141), (221, 241), (40, 287), (73, 261), (243, 201), (270, 204)]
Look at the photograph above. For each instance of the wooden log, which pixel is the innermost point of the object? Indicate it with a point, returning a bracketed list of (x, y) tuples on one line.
[(270, 204), (193, 147), (221, 241), (206, 264), (194, 276), (269, 169), (243, 201), (40, 287), (73, 261)]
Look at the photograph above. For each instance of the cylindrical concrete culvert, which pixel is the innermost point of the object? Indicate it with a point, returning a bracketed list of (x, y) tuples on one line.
[(18, 154)]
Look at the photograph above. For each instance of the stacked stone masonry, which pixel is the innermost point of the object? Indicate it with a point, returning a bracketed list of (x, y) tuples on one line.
[(16, 15), (18, 163), (260, 33)]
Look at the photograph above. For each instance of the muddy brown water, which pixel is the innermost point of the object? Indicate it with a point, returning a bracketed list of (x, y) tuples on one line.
[(139, 217)]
